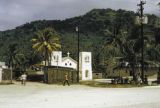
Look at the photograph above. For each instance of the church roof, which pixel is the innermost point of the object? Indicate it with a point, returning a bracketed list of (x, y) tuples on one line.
[(65, 58)]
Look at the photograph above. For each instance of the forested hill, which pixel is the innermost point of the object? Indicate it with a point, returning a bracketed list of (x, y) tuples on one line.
[(97, 27)]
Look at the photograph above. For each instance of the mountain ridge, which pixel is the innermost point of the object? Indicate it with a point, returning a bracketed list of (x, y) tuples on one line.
[(96, 27)]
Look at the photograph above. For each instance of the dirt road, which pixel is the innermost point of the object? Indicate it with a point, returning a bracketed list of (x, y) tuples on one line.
[(36, 95)]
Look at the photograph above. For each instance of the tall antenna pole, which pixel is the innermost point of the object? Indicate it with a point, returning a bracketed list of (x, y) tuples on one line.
[(77, 30), (142, 36)]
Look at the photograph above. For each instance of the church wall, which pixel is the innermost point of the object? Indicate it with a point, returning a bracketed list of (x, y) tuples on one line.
[(56, 58), (86, 73), (69, 63), (86, 66), (0, 74), (2, 68), (85, 63)]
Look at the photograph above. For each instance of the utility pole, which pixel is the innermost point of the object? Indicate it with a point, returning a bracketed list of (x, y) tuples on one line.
[(159, 15), (141, 5), (77, 30), (57, 58), (11, 73)]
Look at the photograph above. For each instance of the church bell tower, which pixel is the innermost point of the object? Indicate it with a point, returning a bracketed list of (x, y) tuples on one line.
[(85, 66)]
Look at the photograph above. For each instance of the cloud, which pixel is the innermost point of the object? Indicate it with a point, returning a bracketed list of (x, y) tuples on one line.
[(16, 12)]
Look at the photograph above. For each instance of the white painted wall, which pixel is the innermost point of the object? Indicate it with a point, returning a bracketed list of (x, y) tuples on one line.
[(56, 58), (1, 74), (69, 63), (85, 65), (62, 62), (2, 66)]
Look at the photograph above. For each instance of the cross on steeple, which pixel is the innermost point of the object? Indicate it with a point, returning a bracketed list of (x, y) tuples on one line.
[(68, 54)]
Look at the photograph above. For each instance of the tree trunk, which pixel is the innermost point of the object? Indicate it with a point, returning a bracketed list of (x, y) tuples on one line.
[(45, 56), (45, 75), (134, 72)]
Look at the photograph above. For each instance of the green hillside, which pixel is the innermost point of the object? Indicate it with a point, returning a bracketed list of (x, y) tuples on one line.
[(98, 29)]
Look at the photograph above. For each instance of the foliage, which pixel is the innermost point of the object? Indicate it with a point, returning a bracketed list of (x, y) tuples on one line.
[(102, 31), (45, 42)]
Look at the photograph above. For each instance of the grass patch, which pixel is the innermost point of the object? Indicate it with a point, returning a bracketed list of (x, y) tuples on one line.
[(108, 85), (6, 83)]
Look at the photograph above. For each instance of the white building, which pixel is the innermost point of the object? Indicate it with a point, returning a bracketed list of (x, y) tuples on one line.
[(85, 63), (1, 74), (58, 60), (2, 66)]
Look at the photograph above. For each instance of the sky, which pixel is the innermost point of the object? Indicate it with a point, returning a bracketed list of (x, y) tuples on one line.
[(14, 13)]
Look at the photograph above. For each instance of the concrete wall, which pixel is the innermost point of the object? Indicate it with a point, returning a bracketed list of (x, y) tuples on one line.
[(0, 74), (69, 63), (56, 58)]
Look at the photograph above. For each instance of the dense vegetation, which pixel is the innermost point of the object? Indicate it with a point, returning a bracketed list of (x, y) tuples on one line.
[(112, 37)]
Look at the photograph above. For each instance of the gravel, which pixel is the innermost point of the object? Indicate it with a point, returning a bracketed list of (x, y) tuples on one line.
[(38, 95)]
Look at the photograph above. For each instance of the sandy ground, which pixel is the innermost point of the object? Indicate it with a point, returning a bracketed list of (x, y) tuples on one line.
[(36, 95)]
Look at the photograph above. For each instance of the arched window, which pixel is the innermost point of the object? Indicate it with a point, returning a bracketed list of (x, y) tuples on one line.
[(57, 58), (86, 73), (54, 57), (65, 64), (70, 64), (87, 59)]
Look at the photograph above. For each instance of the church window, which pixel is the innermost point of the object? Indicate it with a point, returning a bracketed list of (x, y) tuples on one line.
[(57, 57), (87, 59), (86, 73), (65, 64), (70, 64), (54, 57)]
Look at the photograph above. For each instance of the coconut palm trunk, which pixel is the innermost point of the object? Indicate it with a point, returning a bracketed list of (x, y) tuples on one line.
[(11, 68), (45, 68)]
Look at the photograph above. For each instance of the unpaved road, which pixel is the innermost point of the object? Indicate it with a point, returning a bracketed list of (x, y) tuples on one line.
[(36, 95)]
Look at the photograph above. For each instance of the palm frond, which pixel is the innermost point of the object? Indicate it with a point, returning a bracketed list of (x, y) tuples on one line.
[(34, 40), (47, 41), (36, 45)]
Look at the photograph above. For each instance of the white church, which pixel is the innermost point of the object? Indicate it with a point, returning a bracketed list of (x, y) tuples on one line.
[(85, 63)]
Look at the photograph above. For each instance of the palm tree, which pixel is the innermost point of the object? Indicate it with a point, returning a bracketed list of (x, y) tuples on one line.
[(46, 41), (109, 48), (124, 48)]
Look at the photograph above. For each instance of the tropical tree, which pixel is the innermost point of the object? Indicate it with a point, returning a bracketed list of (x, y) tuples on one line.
[(124, 47), (46, 41), (21, 62), (112, 52), (131, 53), (11, 57)]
